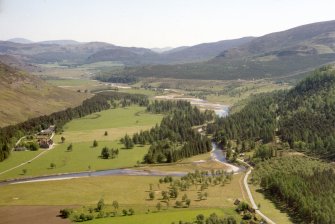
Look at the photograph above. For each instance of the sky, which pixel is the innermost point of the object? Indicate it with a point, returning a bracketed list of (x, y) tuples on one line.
[(155, 23)]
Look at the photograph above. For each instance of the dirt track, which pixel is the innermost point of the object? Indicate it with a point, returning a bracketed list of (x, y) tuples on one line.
[(31, 214)]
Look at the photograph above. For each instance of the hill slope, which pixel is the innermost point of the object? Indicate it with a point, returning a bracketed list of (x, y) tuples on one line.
[(285, 53), (23, 96), (73, 52), (20, 40), (201, 52), (303, 117)]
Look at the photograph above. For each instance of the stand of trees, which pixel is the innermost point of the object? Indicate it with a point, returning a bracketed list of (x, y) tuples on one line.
[(174, 138), (304, 185), (303, 116), (116, 78), (99, 102)]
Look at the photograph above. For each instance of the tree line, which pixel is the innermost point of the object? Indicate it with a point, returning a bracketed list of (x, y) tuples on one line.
[(102, 101)]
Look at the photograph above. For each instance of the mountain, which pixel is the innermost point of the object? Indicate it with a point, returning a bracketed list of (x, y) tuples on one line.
[(276, 55), (73, 52), (161, 50), (316, 38), (202, 52), (60, 42), (20, 41), (125, 55), (23, 96)]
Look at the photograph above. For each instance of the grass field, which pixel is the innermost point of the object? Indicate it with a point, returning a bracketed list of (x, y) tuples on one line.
[(166, 217), (268, 208), (81, 133), (80, 159), (114, 118), (17, 158), (127, 190)]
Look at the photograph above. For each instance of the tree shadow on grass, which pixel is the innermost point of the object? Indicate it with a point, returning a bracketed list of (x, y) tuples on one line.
[(281, 206)]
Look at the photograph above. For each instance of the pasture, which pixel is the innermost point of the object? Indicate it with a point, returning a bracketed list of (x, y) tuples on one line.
[(81, 133)]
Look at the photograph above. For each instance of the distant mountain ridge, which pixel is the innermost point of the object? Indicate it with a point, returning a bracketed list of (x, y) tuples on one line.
[(281, 54), (20, 41), (80, 53)]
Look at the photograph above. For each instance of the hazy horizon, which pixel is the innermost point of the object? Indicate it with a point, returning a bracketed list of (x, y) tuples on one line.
[(155, 23)]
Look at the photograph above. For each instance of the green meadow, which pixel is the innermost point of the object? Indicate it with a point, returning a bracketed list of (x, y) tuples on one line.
[(81, 133)]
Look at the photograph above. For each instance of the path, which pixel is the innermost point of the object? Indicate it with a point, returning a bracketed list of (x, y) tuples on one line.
[(29, 161), (18, 142), (253, 203)]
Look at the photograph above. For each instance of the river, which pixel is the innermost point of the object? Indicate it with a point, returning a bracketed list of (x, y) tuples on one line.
[(216, 154)]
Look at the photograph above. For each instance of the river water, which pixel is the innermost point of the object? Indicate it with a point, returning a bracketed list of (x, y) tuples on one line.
[(216, 154)]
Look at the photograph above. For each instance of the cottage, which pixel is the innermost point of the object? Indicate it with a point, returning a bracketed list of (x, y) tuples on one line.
[(45, 143), (48, 131)]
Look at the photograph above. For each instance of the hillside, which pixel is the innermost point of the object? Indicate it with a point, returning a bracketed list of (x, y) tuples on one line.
[(201, 52), (73, 52), (280, 54), (23, 96), (303, 117), (20, 40)]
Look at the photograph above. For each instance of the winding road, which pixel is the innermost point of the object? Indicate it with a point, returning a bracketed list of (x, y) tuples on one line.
[(252, 201)]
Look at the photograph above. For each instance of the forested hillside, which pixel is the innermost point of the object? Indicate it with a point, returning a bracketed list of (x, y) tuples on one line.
[(303, 117), (306, 186), (300, 119)]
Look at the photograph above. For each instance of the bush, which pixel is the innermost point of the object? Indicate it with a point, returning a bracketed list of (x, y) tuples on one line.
[(66, 212)]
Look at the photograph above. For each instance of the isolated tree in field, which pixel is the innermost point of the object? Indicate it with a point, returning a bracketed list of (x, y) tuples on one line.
[(173, 192), (131, 211), (52, 165), (158, 206), (184, 198), (152, 195), (62, 139), (200, 219), (105, 153), (200, 196), (106, 133), (179, 204), (165, 195), (188, 202), (205, 195), (100, 205), (115, 205), (128, 142), (124, 212), (70, 148), (24, 171), (95, 143)]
